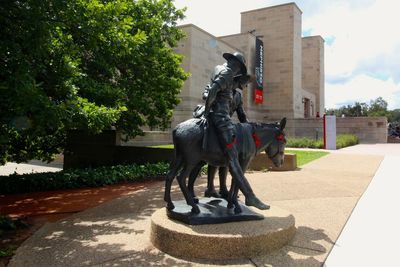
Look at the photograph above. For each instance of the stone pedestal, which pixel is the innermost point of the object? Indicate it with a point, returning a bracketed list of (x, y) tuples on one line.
[(222, 241), (212, 211), (262, 162)]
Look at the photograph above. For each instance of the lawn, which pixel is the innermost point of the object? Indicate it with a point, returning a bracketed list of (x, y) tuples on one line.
[(304, 157)]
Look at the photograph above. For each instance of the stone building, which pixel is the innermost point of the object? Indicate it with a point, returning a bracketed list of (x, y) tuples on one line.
[(293, 76), (293, 83)]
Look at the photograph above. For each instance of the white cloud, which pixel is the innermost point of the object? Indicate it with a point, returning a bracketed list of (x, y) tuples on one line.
[(362, 88), (362, 62), (359, 34), (218, 17)]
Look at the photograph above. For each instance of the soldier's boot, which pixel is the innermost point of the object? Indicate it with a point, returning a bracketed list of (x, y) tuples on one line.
[(241, 181)]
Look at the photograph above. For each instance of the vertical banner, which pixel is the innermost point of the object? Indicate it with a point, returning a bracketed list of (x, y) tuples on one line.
[(259, 72), (330, 132)]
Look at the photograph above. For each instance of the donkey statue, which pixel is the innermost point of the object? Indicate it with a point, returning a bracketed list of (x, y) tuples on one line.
[(252, 138)]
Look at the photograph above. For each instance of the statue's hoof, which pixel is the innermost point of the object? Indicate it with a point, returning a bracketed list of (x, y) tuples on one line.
[(230, 205), (255, 202), (211, 193), (195, 210), (237, 209), (224, 194), (170, 206)]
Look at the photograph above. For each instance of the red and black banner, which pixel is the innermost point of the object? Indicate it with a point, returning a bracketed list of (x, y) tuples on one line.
[(259, 72)]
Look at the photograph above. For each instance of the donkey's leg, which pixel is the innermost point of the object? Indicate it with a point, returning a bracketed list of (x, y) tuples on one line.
[(233, 198), (237, 174), (235, 189), (238, 208), (175, 166), (192, 178), (231, 194), (210, 191), (223, 190), (182, 184)]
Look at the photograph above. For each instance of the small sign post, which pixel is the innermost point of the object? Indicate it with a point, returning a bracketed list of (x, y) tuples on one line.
[(330, 132)]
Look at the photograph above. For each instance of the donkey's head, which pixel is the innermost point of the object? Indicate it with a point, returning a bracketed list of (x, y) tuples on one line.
[(276, 149)]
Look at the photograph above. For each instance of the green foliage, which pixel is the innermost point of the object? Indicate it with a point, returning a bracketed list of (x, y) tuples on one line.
[(169, 146), (9, 251), (342, 140), (376, 108), (304, 143), (394, 116), (6, 223), (84, 64), (356, 110), (304, 157), (77, 178)]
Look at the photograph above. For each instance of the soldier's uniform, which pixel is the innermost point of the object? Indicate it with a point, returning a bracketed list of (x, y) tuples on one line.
[(237, 106), (218, 111)]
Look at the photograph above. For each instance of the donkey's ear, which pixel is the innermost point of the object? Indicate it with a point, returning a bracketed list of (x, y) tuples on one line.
[(282, 124)]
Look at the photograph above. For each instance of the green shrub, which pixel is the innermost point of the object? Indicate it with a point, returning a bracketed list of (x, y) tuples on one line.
[(6, 223), (7, 252), (304, 143), (77, 178), (342, 140)]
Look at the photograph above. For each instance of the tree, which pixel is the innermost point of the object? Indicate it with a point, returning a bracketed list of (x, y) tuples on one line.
[(394, 116), (84, 64), (356, 110), (378, 108)]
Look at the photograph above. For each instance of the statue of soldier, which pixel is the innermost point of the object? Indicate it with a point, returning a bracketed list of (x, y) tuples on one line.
[(218, 113), (236, 107)]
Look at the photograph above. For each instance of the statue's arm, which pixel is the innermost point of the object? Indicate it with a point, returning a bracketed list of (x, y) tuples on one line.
[(241, 113), (206, 92), (220, 82), (212, 95)]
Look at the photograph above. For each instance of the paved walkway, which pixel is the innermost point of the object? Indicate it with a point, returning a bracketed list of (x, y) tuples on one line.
[(30, 167), (371, 235), (321, 196)]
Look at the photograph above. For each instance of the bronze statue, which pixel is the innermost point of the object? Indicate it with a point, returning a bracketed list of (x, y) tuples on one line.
[(240, 82), (217, 112), (219, 145)]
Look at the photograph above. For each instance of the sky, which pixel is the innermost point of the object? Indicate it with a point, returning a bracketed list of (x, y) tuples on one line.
[(362, 41)]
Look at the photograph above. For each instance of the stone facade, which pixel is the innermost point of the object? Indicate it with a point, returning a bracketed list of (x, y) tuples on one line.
[(313, 79), (275, 26), (368, 129)]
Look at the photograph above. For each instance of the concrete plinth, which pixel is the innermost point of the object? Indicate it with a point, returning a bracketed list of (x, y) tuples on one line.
[(262, 162), (223, 241)]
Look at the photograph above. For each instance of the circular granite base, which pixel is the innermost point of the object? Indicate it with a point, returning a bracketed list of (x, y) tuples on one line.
[(222, 241)]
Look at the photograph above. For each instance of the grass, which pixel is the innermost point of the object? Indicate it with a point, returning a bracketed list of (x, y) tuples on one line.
[(304, 157), (169, 146)]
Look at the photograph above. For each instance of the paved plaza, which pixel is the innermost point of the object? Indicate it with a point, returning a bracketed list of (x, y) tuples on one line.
[(343, 204)]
